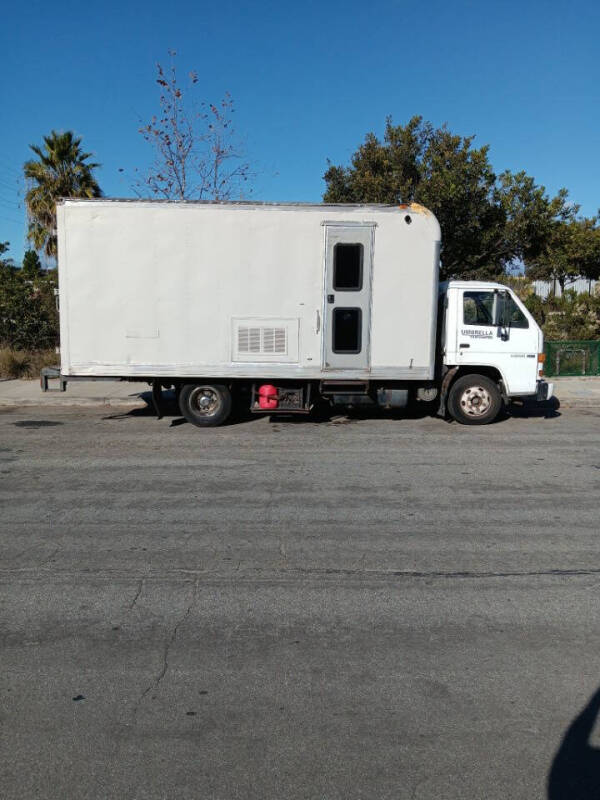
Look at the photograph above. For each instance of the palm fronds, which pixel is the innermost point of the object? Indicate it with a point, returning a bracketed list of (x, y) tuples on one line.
[(61, 170)]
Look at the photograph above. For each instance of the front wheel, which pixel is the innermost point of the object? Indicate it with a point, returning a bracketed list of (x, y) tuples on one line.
[(474, 400), (205, 405)]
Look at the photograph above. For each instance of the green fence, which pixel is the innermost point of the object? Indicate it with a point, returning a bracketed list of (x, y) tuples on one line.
[(572, 358)]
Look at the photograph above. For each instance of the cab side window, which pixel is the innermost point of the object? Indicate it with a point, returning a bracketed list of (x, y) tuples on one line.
[(516, 316), (478, 308)]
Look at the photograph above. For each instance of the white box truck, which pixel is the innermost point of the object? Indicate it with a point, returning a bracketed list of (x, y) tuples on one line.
[(288, 305)]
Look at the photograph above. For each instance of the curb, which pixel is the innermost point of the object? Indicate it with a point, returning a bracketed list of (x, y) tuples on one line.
[(55, 402)]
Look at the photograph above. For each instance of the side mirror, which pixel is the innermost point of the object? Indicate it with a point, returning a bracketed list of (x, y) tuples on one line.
[(502, 315)]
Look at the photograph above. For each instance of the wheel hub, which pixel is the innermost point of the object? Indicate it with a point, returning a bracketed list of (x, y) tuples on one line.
[(475, 401), (205, 400)]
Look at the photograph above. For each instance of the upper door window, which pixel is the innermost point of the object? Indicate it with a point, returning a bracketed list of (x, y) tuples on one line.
[(347, 267), (478, 308)]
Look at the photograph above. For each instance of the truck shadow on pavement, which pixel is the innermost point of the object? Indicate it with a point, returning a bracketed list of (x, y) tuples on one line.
[(170, 409), (548, 409), (575, 771)]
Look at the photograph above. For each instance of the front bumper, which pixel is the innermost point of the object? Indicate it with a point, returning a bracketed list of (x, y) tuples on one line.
[(544, 391)]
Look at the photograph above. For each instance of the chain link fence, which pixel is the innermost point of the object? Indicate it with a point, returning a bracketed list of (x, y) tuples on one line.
[(572, 358)]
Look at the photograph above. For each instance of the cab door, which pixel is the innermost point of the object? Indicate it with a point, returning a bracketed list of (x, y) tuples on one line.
[(511, 347)]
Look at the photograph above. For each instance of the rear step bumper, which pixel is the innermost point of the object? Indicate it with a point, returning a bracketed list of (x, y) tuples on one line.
[(344, 387)]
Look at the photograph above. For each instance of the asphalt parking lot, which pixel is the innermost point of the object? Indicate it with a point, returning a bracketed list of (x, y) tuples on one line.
[(356, 608)]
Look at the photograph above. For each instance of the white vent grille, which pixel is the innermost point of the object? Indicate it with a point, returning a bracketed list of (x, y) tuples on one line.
[(274, 340), (262, 341), (248, 340)]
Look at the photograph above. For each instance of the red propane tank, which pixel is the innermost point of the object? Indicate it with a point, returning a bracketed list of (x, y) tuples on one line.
[(267, 397)]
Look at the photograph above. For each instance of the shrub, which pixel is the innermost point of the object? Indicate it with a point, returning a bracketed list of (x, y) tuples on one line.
[(13, 364), (28, 315), (24, 363), (572, 316)]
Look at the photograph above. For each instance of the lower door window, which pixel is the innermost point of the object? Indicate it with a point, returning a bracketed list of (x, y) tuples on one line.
[(347, 326)]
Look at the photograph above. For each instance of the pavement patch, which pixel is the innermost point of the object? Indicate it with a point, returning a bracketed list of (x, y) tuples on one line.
[(36, 423)]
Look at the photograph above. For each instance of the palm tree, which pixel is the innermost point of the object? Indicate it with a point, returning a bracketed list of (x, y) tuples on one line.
[(59, 171)]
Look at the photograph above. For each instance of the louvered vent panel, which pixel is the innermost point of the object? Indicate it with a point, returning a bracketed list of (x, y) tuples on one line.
[(248, 340), (264, 340), (269, 341), (281, 340), (274, 340)]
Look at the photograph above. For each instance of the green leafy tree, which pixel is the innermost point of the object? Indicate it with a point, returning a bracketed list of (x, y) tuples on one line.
[(32, 266), (61, 170), (571, 250), (488, 223), (5, 263), (457, 184), (530, 214)]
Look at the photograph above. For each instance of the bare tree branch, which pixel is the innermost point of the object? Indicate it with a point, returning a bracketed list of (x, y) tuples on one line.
[(196, 152)]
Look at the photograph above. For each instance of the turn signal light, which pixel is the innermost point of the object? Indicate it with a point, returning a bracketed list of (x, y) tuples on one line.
[(541, 361)]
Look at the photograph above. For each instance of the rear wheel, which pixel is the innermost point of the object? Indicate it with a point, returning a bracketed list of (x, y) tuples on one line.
[(205, 404), (474, 400)]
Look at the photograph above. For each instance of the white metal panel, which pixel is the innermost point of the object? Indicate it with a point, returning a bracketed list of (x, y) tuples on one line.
[(63, 284), (405, 292), (150, 288)]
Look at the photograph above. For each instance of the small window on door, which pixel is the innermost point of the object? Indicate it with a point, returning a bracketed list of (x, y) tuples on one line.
[(347, 327), (478, 308), (347, 267), (516, 316)]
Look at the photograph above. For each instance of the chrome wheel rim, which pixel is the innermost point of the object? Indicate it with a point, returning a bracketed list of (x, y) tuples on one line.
[(205, 401), (475, 401)]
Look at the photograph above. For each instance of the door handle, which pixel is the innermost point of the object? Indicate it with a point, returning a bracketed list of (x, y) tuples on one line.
[(464, 345), (331, 298)]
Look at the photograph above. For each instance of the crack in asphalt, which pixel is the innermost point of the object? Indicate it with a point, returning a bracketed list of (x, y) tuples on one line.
[(49, 558), (258, 572), (140, 589), (165, 658), (448, 574)]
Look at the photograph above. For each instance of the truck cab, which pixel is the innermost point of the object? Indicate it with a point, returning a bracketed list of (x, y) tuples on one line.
[(487, 332)]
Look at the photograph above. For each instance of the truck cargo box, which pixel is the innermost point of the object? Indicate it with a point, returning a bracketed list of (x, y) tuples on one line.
[(247, 290)]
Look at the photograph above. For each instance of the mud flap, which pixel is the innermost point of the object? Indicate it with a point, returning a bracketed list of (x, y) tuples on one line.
[(157, 398), (444, 390)]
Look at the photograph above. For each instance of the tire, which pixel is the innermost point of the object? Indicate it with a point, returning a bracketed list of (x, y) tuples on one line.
[(205, 404), (474, 400)]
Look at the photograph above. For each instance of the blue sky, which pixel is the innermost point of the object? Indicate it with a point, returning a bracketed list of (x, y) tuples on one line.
[(309, 80)]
